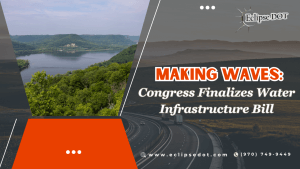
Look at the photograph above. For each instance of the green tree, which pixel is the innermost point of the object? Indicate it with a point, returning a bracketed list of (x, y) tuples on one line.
[(89, 92)]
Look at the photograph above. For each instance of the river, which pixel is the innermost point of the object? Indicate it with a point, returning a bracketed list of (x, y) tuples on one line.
[(61, 62)]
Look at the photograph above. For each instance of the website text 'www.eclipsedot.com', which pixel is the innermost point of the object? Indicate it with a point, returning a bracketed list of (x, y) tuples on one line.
[(184, 155)]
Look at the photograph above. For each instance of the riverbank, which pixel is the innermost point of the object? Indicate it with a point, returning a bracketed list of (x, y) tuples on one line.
[(40, 51)]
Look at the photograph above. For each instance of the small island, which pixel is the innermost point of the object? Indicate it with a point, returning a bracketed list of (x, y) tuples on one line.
[(22, 64)]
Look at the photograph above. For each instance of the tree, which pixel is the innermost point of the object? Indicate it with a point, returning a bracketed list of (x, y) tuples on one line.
[(88, 92)]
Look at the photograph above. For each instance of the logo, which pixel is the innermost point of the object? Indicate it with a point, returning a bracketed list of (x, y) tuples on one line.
[(255, 17), (243, 19)]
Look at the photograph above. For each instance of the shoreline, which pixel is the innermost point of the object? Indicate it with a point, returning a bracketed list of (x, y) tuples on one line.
[(26, 53)]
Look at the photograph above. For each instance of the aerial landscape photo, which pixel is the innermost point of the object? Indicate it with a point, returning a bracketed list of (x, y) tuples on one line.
[(67, 69)]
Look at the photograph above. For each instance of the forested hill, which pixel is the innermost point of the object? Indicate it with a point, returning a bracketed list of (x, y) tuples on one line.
[(68, 42), (116, 40), (30, 38), (94, 91), (124, 56), (62, 40), (134, 38), (21, 46), (56, 40)]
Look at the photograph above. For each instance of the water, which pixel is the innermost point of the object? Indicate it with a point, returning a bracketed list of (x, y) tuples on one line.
[(61, 62)]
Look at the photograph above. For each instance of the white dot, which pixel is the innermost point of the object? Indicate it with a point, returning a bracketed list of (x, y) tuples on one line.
[(68, 152), (213, 7), (73, 152), (207, 7), (201, 7), (79, 151)]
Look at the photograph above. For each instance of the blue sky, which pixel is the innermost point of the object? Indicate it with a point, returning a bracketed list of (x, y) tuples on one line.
[(36, 17)]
